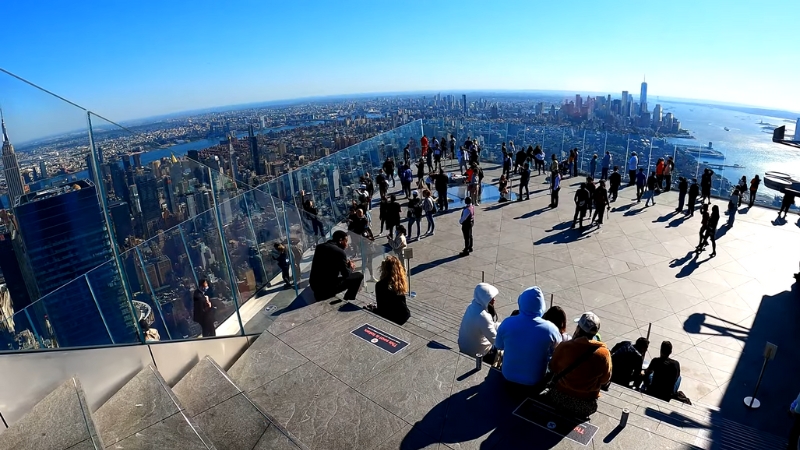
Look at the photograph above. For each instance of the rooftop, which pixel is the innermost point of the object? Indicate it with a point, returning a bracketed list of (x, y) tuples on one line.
[(60, 189)]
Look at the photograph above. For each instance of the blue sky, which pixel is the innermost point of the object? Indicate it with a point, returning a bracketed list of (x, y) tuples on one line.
[(129, 59)]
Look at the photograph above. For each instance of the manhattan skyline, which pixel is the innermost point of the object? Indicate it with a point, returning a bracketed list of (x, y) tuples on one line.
[(162, 59)]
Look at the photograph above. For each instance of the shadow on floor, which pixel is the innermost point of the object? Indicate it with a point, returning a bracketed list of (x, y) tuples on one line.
[(666, 217), (775, 322), (690, 263), (566, 235), (483, 411), (430, 265), (533, 213), (695, 323), (677, 222)]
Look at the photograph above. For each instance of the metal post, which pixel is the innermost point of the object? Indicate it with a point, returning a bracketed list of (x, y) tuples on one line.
[(483, 276), (649, 327), (33, 328), (551, 300), (100, 189), (253, 231), (291, 253), (102, 317), (583, 150), (752, 402)]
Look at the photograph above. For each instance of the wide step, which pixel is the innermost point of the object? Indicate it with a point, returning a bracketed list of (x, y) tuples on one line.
[(59, 421), (145, 413), (225, 413)]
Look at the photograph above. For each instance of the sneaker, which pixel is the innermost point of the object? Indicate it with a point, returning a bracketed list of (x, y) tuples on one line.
[(464, 253)]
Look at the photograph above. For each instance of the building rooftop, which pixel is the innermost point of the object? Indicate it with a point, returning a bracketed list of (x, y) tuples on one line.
[(59, 189)]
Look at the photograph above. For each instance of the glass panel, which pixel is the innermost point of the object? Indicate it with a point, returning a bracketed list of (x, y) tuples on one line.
[(70, 316)]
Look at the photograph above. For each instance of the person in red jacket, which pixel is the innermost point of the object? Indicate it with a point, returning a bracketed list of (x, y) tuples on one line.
[(424, 144)]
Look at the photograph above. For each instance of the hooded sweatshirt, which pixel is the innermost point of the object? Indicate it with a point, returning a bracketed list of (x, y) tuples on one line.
[(478, 330), (527, 340)]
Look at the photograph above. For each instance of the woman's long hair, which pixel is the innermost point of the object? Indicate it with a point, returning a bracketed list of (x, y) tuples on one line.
[(393, 271)]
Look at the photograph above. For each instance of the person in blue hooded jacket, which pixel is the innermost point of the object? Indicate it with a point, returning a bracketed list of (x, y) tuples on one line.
[(527, 340)]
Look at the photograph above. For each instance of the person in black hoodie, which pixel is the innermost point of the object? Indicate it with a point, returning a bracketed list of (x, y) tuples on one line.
[(652, 184), (600, 203), (524, 179), (590, 187), (582, 200), (519, 159), (393, 212), (332, 272), (414, 212), (388, 168), (203, 311), (705, 185), (390, 292), (683, 187), (694, 191)]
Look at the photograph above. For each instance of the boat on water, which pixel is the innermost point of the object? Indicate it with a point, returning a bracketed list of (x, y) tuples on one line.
[(727, 129)]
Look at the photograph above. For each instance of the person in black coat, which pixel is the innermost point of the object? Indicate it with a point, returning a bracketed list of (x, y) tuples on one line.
[(615, 180), (694, 191), (390, 292), (393, 212), (332, 272), (203, 311), (683, 188), (600, 203), (582, 200), (441, 182)]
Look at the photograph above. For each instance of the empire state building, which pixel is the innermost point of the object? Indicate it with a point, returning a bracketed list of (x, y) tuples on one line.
[(16, 188)]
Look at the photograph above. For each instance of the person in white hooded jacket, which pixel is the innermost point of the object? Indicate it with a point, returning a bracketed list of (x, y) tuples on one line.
[(478, 329), (527, 340)]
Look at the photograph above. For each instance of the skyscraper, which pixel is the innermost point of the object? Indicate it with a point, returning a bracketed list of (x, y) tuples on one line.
[(11, 269), (643, 98), (464, 98), (657, 112), (43, 170), (624, 111), (71, 266), (258, 167), (16, 188)]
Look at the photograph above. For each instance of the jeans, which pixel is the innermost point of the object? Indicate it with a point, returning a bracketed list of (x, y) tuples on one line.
[(431, 223), (604, 173), (639, 192), (521, 187), (731, 216), (681, 199), (443, 200), (554, 198), (651, 195), (580, 213), (411, 222), (631, 177), (674, 389), (613, 191)]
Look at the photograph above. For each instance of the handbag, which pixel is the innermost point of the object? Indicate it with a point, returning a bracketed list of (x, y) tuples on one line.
[(550, 384)]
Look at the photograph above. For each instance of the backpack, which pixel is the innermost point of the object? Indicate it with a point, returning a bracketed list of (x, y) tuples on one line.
[(429, 205), (408, 176)]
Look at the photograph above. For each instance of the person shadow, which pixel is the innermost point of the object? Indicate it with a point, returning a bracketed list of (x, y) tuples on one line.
[(482, 413)]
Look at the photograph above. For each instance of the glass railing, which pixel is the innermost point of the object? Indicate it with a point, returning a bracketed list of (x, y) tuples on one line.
[(225, 231), (212, 222)]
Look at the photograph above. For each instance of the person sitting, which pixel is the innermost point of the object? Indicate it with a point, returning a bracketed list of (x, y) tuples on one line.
[(527, 341), (663, 375), (332, 272), (478, 330), (586, 367), (627, 360), (390, 292), (558, 317), (150, 334)]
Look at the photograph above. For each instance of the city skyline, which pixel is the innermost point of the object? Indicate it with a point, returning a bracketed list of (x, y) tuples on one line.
[(147, 65)]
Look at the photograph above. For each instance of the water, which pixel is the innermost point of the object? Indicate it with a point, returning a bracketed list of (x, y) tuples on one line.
[(746, 144)]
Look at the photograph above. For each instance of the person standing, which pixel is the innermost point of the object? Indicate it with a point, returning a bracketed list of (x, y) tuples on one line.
[(506, 164), (407, 155), (555, 187), (393, 214), (593, 165), (313, 216), (660, 174), (753, 190), (705, 185), (383, 185), (399, 244), (554, 166), (709, 230), (441, 183), (694, 192), (203, 310), (519, 159), (669, 166), (683, 187), (606, 166), (733, 203), (452, 147), (572, 162), (281, 257), (414, 212), (615, 181), (423, 142), (538, 158), (388, 168), (429, 207), (524, 179), (437, 155), (704, 217), (467, 221), (652, 185), (390, 292), (742, 189), (591, 188), (582, 200), (788, 202), (633, 164), (406, 178), (600, 203), (641, 182)]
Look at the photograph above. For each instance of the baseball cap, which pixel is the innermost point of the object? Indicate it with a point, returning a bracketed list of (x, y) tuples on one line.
[(589, 322), (415, 193), (362, 186)]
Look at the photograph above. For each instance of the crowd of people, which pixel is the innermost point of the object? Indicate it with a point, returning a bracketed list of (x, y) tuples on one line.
[(539, 359)]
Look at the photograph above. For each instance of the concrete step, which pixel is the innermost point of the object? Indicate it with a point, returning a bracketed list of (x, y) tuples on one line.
[(145, 413), (61, 420), (225, 413), (692, 424)]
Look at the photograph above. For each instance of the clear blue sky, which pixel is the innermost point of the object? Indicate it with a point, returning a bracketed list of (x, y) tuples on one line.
[(129, 59)]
